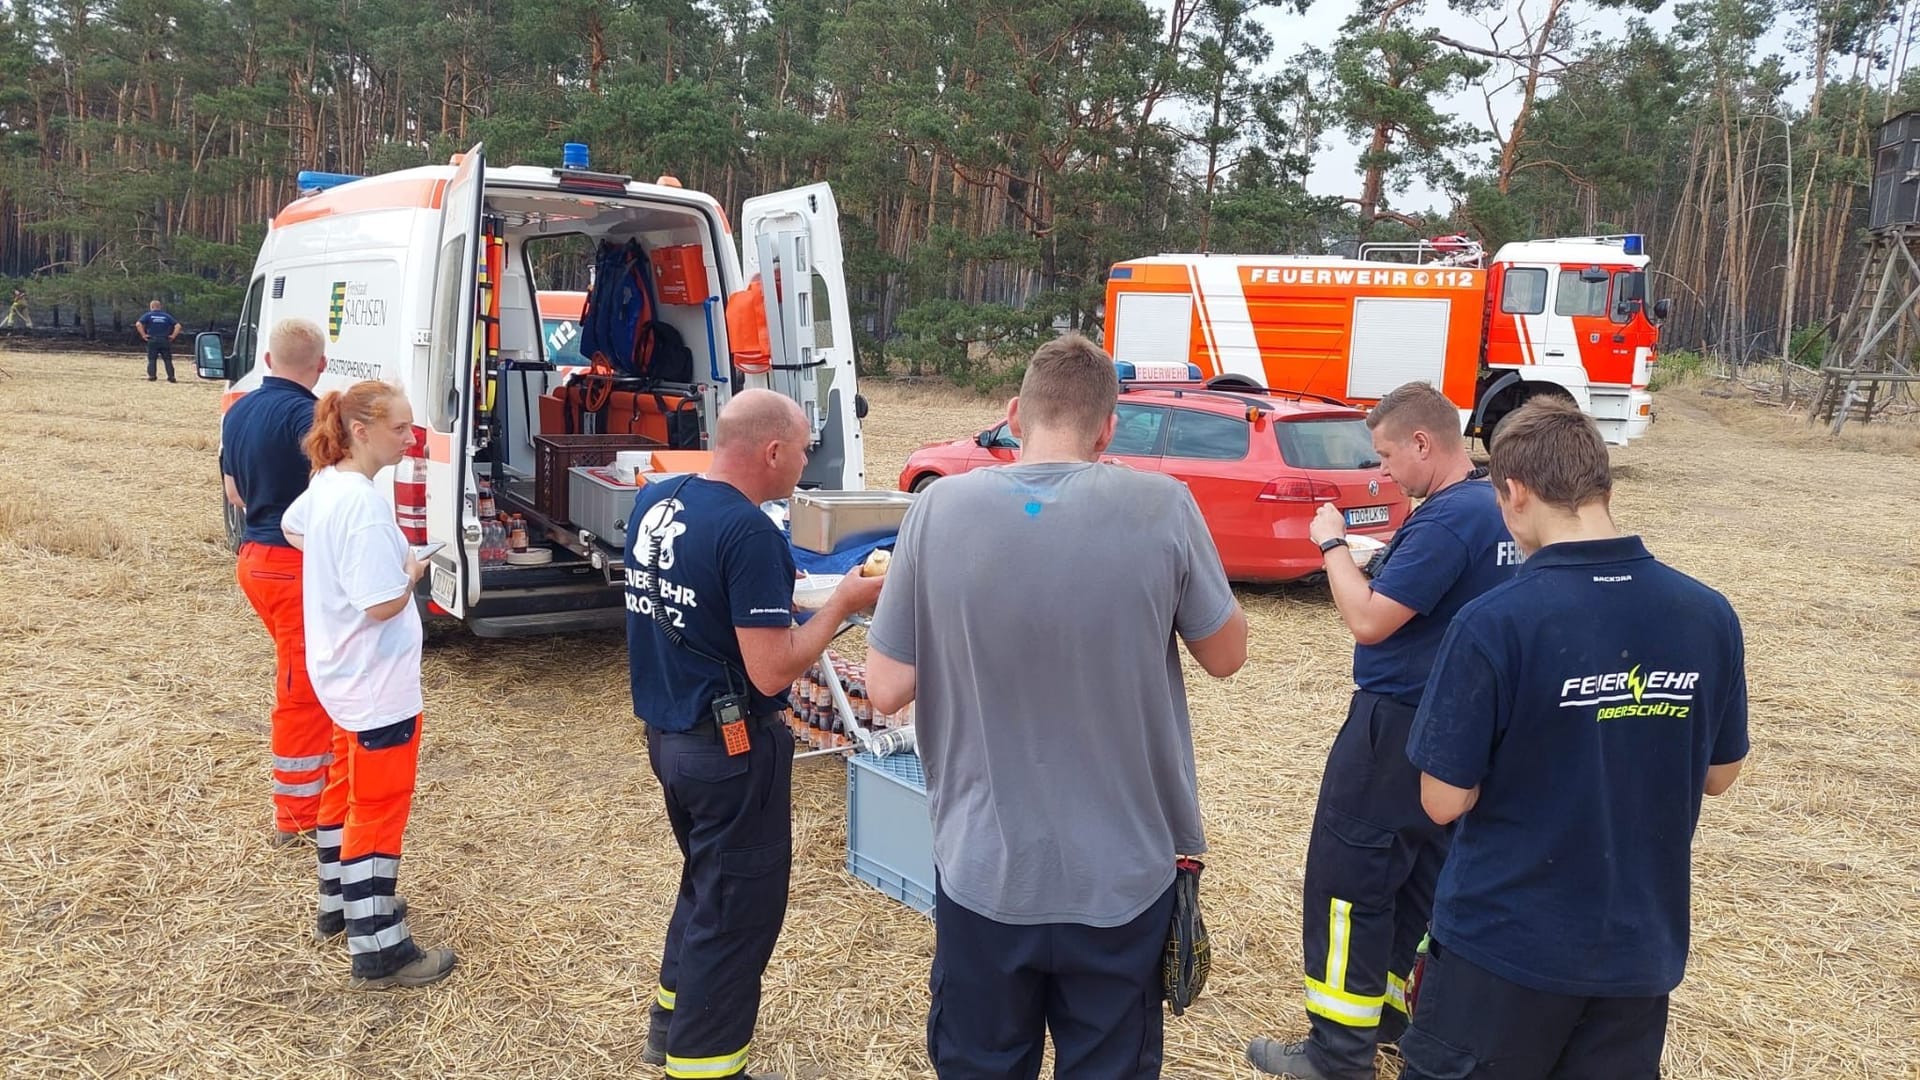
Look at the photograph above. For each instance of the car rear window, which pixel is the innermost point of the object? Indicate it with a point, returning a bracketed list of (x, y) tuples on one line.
[(1208, 436), (1326, 444)]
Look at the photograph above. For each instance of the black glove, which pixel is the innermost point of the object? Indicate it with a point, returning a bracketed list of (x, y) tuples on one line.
[(1189, 954)]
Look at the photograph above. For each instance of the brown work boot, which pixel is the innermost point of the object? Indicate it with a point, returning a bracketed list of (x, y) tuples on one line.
[(429, 967)]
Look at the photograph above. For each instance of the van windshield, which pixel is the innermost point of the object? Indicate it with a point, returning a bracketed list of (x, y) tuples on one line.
[(1326, 444)]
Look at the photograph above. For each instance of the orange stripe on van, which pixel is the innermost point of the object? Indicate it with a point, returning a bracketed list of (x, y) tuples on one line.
[(373, 193), (227, 399), (439, 446)]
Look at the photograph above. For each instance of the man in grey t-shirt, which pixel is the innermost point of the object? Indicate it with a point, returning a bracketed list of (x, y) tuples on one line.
[(1031, 610)]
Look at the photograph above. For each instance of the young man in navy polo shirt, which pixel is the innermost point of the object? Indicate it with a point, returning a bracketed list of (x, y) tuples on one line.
[(1374, 856), (1574, 719)]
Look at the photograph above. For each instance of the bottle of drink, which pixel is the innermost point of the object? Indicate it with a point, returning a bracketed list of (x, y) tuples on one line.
[(485, 504), (517, 539)]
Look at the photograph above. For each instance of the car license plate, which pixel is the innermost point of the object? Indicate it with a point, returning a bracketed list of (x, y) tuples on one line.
[(1367, 515)]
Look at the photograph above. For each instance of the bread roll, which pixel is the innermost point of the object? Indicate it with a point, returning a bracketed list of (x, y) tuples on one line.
[(876, 564)]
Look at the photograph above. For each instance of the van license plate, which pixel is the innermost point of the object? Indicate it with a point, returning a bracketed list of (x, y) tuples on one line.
[(1367, 515)]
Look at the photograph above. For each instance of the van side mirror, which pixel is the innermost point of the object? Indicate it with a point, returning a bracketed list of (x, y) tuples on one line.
[(1662, 308), (210, 356), (984, 440)]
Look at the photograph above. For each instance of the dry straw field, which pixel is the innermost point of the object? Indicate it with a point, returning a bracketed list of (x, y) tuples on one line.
[(147, 929)]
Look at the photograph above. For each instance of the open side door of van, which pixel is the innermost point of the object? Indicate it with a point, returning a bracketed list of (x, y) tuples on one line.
[(449, 392), (792, 240)]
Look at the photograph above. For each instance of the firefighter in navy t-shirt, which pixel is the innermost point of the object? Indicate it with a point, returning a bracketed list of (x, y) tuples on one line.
[(1373, 857), (158, 329), (713, 636), (1574, 719)]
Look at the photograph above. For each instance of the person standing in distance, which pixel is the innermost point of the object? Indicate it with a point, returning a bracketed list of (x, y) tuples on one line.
[(1373, 856), (363, 652), (158, 329), (1574, 720), (1052, 721), (713, 649), (266, 469)]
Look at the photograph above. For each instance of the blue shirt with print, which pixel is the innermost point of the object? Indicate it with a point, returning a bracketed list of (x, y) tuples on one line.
[(1450, 550), (159, 325), (1586, 699), (722, 564)]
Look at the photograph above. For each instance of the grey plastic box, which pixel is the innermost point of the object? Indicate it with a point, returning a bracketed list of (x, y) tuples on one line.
[(599, 504), (889, 828)]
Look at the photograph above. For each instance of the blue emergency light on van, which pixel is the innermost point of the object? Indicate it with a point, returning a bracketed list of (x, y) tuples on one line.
[(573, 155), (313, 180), (1127, 370), (1632, 244)]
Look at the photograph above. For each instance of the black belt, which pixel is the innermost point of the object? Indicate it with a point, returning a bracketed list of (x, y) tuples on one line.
[(1409, 701)]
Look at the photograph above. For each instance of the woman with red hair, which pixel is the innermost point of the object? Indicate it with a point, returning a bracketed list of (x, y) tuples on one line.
[(363, 654)]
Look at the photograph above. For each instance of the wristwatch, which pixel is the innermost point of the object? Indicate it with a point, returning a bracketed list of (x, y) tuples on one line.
[(1332, 542)]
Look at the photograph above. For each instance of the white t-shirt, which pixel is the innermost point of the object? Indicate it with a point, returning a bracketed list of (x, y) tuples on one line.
[(365, 671)]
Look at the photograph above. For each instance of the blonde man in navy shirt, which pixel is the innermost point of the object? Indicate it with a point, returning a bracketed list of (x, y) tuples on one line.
[(1373, 857), (1574, 720)]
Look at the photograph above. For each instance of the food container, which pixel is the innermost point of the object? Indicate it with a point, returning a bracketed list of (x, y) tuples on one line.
[(810, 593), (1363, 548), (825, 521)]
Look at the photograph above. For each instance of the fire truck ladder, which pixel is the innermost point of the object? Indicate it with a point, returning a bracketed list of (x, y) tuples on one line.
[(1870, 367)]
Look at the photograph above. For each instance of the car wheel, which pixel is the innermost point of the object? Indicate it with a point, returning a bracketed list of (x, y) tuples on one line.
[(236, 523), (924, 481)]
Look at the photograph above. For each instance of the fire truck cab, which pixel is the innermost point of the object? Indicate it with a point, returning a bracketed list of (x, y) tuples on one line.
[(1563, 317), (423, 278)]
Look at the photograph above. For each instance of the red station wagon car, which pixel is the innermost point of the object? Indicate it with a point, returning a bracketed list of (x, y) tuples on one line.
[(1259, 463)]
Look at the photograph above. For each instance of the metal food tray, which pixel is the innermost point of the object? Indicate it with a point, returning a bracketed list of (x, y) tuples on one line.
[(825, 521)]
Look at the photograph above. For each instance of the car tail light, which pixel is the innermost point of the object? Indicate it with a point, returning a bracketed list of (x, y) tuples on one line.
[(1298, 489), (410, 490)]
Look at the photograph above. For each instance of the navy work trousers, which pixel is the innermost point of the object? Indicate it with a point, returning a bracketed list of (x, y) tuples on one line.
[(160, 350), (1475, 1025), (998, 989), (733, 818), (1372, 863)]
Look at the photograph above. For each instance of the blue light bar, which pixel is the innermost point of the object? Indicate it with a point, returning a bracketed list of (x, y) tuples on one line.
[(311, 180), (573, 155), (1127, 370), (1632, 243)]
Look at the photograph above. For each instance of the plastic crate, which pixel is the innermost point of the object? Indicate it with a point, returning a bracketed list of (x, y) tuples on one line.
[(553, 455), (889, 831)]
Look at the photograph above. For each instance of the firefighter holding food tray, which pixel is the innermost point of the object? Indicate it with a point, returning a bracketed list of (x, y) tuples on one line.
[(712, 648)]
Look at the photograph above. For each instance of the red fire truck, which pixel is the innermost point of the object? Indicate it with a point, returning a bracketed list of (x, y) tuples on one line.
[(1568, 317)]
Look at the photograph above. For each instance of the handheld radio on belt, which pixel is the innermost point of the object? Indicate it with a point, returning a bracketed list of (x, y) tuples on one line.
[(730, 709)]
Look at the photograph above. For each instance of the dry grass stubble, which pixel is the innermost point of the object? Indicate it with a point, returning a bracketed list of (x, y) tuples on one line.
[(147, 929)]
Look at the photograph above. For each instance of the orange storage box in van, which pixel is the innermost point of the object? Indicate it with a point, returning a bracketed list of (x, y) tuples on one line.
[(680, 274)]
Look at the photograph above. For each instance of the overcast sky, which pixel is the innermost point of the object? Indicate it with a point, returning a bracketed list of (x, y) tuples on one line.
[(1333, 172)]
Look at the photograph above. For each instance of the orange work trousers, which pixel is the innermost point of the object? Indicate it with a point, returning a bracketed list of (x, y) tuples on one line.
[(270, 577), (363, 816)]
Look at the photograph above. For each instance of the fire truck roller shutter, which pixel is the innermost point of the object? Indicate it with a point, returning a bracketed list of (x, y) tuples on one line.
[(1153, 327), (1396, 341)]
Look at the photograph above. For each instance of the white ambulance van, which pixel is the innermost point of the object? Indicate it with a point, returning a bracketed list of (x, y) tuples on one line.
[(426, 278)]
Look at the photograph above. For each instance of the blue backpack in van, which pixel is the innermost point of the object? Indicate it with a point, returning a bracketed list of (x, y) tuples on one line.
[(618, 327)]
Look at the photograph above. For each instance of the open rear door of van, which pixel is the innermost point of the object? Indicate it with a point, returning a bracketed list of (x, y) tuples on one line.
[(793, 238), (449, 392)]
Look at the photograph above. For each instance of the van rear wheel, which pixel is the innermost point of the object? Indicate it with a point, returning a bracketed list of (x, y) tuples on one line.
[(236, 522)]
